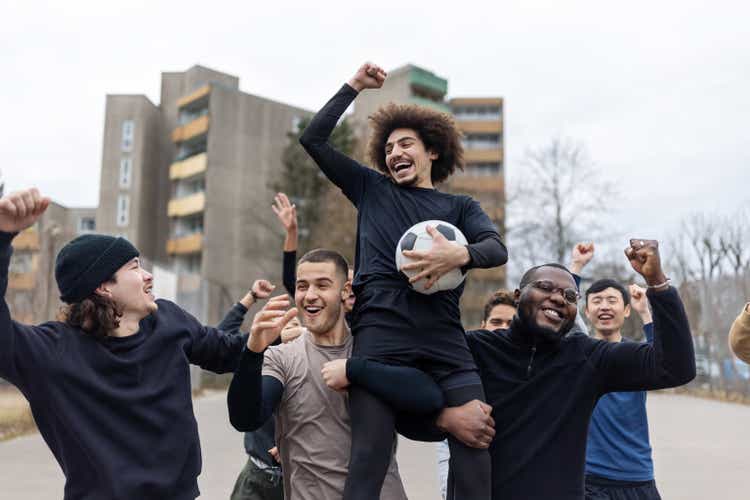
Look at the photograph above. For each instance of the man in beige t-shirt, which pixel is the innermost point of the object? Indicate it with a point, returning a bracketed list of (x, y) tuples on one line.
[(312, 421)]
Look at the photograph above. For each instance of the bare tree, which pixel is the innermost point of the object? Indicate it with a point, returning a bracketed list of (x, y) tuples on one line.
[(558, 201)]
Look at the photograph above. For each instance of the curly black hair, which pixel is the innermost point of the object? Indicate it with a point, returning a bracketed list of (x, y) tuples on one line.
[(437, 131)]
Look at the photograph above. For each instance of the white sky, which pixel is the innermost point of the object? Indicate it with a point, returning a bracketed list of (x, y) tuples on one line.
[(659, 92)]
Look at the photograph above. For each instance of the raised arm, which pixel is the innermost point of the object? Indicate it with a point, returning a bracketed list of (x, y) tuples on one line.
[(667, 362), (22, 347), (639, 303), (252, 396), (739, 335), (343, 171), (286, 211)]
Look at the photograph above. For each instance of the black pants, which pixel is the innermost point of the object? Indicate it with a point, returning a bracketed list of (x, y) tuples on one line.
[(373, 423), (256, 484), (601, 488)]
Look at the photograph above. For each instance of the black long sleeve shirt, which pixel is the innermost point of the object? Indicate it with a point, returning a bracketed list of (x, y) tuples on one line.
[(543, 395), (385, 210), (258, 442), (117, 413)]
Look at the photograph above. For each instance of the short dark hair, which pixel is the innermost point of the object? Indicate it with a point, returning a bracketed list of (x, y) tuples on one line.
[(528, 275), (501, 296), (437, 131), (323, 255), (601, 285)]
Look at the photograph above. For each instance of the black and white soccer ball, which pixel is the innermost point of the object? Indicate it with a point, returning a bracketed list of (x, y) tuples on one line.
[(417, 238)]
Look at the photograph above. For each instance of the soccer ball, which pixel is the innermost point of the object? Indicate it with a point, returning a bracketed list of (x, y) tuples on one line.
[(417, 238)]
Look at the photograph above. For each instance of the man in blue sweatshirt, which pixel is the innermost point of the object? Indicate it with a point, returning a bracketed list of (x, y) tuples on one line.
[(618, 452), (109, 385)]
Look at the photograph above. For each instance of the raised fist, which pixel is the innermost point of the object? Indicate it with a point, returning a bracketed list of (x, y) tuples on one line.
[(20, 210), (368, 76), (645, 259)]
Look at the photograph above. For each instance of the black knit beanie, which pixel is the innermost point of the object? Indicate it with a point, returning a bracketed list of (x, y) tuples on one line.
[(88, 261)]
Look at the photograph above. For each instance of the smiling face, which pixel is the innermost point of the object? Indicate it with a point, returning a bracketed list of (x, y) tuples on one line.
[(499, 318), (607, 311), (409, 162), (320, 295), (131, 290), (547, 313)]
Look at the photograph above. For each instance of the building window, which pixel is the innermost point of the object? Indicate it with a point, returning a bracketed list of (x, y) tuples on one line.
[(484, 169), (86, 225), (126, 172), (20, 263), (128, 132), (123, 210), (478, 113), (482, 141)]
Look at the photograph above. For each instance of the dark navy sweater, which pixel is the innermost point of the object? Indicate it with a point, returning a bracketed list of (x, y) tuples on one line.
[(117, 414)]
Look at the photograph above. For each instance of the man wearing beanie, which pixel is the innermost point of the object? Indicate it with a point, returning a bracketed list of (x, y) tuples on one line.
[(109, 385)]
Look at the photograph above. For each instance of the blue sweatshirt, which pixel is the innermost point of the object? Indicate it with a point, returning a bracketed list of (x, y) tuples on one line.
[(117, 413), (618, 444)]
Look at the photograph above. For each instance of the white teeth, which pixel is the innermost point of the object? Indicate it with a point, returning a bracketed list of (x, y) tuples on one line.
[(553, 313)]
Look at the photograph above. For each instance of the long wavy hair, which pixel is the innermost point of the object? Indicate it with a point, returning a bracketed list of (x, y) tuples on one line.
[(96, 315)]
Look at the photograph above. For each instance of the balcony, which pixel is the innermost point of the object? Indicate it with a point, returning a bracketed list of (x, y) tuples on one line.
[(467, 183), (188, 168), (21, 281), (429, 103), (428, 81), (26, 240), (195, 128), (185, 245), (483, 155), (480, 126), (188, 205), (193, 97)]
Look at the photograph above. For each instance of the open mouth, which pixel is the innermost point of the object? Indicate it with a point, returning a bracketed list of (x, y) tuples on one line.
[(401, 166), (605, 317), (149, 290), (312, 311), (552, 314)]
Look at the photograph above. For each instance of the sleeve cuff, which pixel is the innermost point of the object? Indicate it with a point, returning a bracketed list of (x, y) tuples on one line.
[(240, 308), (354, 368), (6, 238), (251, 360)]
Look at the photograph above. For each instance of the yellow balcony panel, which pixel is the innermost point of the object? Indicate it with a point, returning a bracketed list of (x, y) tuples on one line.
[(26, 240), (480, 127), (21, 281), (193, 96), (185, 245), (188, 205), (477, 101), (483, 155), (477, 183), (195, 128), (188, 168)]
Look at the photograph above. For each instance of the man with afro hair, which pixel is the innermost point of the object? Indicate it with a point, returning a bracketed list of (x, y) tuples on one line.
[(413, 148)]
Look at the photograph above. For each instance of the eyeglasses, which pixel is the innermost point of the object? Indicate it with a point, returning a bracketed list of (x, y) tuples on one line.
[(570, 295)]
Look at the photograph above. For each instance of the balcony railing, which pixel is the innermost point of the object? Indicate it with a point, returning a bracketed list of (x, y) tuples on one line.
[(26, 240), (189, 167), (195, 128), (483, 155), (21, 281), (188, 205), (186, 245)]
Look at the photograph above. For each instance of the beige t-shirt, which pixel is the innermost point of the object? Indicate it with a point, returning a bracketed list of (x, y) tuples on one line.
[(313, 429)]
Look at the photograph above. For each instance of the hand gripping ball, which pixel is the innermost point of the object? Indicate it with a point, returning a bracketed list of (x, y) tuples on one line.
[(417, 238)]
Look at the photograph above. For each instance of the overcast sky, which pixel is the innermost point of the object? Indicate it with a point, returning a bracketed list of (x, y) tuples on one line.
[(659, 92)]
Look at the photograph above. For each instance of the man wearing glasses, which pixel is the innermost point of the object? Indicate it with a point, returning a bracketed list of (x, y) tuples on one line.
[(543, 385)]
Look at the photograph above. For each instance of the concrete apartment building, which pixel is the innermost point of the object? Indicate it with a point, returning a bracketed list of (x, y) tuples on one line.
[(32, 293), (481, 121), (187, 181)]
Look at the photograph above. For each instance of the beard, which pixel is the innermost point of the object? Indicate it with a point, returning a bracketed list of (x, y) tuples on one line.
[(542, 333)]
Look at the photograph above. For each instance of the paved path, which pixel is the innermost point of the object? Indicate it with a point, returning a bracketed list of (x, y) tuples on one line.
[(700, 447)]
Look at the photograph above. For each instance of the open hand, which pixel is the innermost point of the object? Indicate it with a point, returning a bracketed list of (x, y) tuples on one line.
[(268, 323), (286, 211), (368, 76), (334, 374), (432, 264), (20, 210)]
